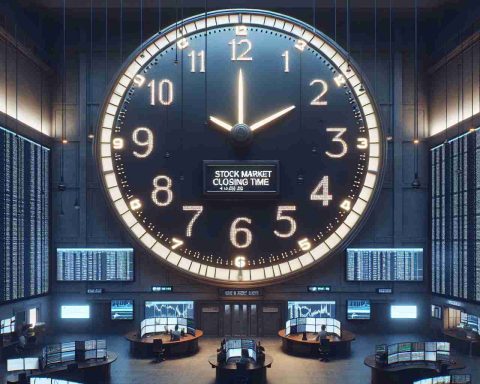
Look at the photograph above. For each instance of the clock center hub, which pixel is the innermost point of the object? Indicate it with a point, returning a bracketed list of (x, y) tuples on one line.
[(241, 134)]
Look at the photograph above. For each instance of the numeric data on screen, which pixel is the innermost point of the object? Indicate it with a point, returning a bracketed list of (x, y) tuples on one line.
[(88, 264)]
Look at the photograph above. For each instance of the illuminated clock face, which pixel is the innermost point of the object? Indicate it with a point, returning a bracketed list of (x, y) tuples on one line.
[(243, 152)]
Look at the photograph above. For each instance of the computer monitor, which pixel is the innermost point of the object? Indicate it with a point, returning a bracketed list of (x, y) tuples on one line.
[(15, 365), (431, 356), (404, 356), (392, 359), (404, 347), (121, 309), (32, 363), (381, 348), (358, 309)]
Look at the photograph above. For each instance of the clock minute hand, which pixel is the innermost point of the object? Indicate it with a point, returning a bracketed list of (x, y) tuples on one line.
[(270, 118)]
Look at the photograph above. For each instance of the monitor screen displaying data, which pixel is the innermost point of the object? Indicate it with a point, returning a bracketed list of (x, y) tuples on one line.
[(24, 217), (95, 264), (358, 309), (452, 379), (169, 309), (75, 312), (403, 311), (417, 351), (384, 264), (121, 309), (455, 208), (311, 309)]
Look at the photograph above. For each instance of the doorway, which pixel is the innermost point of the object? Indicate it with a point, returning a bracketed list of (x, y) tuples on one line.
[(240, 319)]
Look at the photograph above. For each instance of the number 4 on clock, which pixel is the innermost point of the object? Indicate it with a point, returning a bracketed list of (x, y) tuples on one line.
[(320, 193)]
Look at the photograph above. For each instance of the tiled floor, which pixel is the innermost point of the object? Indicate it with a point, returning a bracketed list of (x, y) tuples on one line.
[(285, 370)]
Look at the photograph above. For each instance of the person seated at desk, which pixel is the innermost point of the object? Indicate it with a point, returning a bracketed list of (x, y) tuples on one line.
[(322, 335), (175, 335), (260, 352), (244, 360), (222, 345)]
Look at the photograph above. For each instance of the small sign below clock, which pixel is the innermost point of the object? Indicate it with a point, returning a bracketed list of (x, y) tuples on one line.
[(228, 178)]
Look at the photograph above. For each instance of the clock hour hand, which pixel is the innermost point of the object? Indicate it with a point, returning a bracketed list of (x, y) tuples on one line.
[(270, 118), (221, 123)]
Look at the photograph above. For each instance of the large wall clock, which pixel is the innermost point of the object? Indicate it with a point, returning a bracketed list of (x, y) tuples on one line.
[(240, 146)]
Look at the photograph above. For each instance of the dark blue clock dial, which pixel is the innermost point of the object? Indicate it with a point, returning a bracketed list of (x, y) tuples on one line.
[(244, 95)]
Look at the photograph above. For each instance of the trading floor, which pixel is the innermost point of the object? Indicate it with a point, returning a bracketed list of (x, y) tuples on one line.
[(212, 191)]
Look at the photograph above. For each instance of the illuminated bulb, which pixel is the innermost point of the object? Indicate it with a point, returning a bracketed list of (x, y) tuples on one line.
[(416, 141), (90, 136), (64, 141), (240, 262), (471, 129), (389, 138)]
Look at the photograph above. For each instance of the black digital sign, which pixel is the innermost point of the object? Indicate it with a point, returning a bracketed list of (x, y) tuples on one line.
[(455, 221), (240, 178), (24, 217)]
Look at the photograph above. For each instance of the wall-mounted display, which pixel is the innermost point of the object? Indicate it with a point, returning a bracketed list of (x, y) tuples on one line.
[(24, 217), (169, 309), (121, 309), (358, 309), (455, 187), (403, 311), (311, 309), (273, 214), (75, 312), (384, 264), (95, 264)]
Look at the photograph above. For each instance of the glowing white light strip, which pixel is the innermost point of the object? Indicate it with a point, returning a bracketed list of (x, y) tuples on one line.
[(224, 274)]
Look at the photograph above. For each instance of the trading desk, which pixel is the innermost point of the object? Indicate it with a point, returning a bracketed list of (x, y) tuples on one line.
[(88, 372), (227, 372), (293, 344), (461, 342), (408, 372), (143, 347)]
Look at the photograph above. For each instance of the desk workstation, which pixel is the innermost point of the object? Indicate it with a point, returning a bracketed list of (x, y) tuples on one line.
[(449, 379), (16, 337), (408, 362), (177, 334), (85, 361), (240, 361), (300, 336), (465, 336)]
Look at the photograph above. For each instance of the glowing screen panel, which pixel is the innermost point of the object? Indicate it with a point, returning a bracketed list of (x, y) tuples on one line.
[(384, 264), (24, 217), (311, 309), (169, 309), (455, 208)]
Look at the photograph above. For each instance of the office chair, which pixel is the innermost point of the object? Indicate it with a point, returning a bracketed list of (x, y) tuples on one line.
[(158, 350), (241, 375), (324, 350)]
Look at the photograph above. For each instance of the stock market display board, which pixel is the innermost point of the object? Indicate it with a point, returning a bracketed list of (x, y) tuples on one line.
[(384, 264), (24, 217), (455, 215), (95, 264)]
